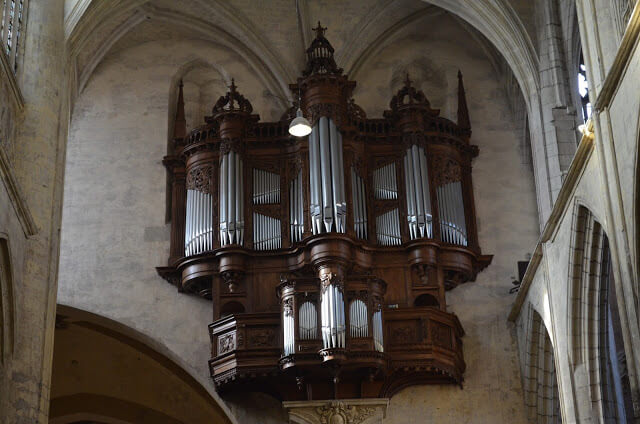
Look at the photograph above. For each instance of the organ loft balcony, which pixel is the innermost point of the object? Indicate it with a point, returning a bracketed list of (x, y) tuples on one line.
[(327, 257)]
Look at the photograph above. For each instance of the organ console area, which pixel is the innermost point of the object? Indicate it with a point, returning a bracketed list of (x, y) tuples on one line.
[(327, 258)]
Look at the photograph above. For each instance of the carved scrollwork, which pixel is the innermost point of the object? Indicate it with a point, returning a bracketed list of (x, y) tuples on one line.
[(200, 179), (226, 343), (232, 279), (446, 170), (355, 112), (342, 413), (329, 110), (287, 307), (331, 278)]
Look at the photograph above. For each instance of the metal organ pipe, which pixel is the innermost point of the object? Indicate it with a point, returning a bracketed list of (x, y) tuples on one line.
[(295, 208), (453, 227), (358, 319), (231, 199), (326, 169), (385, 184), (359, 205), (376, 321), (388, 228), (308, 321), (418, 196), (198, 222), (288, 327), (332, 316)]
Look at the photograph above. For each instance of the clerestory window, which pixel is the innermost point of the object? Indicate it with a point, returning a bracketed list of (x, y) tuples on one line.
[(12, 23)]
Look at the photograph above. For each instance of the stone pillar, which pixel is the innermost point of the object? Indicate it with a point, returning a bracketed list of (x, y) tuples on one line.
[(344, 411), (39, 166)]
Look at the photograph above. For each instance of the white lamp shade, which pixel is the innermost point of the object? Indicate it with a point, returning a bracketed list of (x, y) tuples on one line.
[(299, 126)]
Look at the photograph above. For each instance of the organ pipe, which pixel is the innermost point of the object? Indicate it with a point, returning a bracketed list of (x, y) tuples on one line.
[(332, 317), (198, 222), (266, 187), (267, 233), (308, 321), (388, 228), (376, 321), (231, 200), (385, 186), (358, 319), (326, 169), (288, 327), (359, 205), (296, 211), (453, 227), (419, 214)]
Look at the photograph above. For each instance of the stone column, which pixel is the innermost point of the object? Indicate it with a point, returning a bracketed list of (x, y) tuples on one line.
[(39, 166)]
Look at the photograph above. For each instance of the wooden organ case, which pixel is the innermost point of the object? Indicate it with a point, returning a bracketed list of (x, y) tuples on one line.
[(327, 257)]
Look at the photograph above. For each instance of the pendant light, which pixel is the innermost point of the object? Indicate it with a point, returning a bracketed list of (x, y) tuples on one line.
[(299, 126)]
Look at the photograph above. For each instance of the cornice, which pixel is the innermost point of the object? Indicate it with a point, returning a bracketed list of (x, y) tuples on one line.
[(621, 62), (15, 194), (580, 160)]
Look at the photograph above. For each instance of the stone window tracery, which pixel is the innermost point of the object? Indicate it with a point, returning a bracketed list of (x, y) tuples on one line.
[(583, 89), (11, 28)]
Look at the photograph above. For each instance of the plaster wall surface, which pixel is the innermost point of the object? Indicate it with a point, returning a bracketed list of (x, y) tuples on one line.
[(114, 230)]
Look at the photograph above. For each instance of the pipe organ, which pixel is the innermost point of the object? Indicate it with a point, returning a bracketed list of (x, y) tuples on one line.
[(328, 271)]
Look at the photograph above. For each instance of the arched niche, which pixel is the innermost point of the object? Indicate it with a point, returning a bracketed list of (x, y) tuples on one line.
[(106, 372), (426, 299)]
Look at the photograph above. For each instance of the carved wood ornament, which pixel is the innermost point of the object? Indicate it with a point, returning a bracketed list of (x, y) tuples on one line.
[(318, 311)]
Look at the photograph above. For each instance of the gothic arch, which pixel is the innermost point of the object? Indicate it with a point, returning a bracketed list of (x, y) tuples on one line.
[(541, 387), (596, 346), (7, 301), (81, 338)]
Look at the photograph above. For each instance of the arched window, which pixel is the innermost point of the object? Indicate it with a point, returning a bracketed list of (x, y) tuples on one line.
[(427, 300), (583, 89), (11, 28)]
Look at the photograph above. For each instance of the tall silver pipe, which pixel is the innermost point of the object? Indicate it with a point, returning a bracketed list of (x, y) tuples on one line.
[(315, 179), (325, 166)]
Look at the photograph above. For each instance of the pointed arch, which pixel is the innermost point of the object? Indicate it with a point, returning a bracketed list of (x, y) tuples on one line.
[(541, 387), (7, 301)]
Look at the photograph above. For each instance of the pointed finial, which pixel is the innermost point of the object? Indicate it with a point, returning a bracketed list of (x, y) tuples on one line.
[(233, 87), (320, 30), (463, 111), (407, 81), (180, 123)]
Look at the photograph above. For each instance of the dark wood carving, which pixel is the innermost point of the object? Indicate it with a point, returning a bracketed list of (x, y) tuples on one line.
[(254, 291)]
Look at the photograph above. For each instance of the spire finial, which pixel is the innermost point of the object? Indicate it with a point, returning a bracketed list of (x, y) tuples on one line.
[(320, 30), (233, 87), (180, 123), (463, 111), (407, 81)]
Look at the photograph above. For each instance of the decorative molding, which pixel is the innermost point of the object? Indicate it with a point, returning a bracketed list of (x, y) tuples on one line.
[(345, 411), (74, 16), (621, 62), (15, 194), (580, 160), (10, 78)]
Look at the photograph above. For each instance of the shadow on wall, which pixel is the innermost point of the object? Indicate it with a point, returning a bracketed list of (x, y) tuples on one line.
[(104, 372)]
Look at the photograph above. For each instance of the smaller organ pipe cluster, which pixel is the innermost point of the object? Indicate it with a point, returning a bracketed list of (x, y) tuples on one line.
[(385, 186), (326, 172), (388, 228), (296, 209), (332, 317), (266, 232), (231, 200), (198, 222), (358, 319), (266, 187), (416, 173), (308, 321), (359, 205), (453, 228)]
